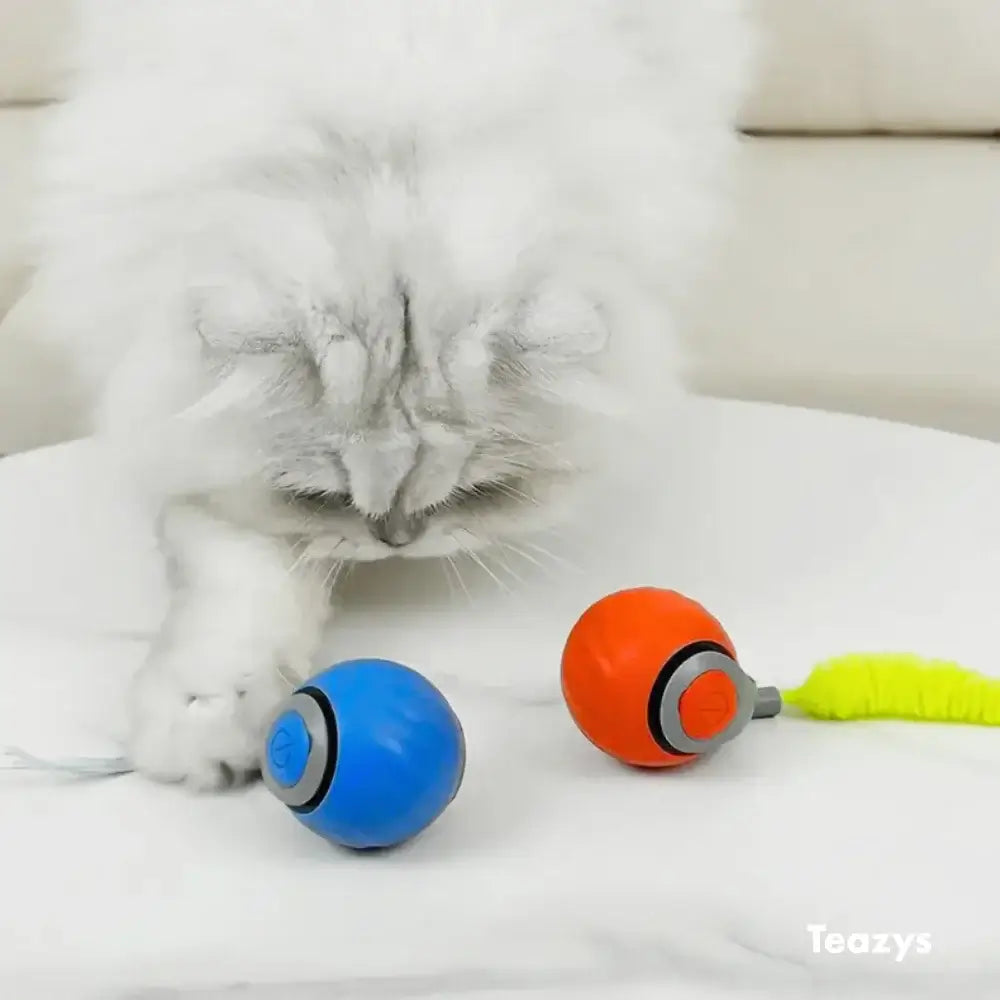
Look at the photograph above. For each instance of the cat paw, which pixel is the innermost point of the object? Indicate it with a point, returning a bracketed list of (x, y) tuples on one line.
[(204, 734)]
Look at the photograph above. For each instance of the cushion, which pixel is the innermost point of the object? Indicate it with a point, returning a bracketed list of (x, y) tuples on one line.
[(896, 65), (556, 872), (19, 129), (34, 44), (858, 274)]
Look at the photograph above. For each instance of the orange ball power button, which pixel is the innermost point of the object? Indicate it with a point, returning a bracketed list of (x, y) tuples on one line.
[(708, 705)]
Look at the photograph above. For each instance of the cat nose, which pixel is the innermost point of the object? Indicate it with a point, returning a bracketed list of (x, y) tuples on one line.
[(398, 528)]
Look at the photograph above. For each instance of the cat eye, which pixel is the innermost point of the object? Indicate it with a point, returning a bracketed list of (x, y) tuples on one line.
[(487, 492), (492, 491), (321, 500)]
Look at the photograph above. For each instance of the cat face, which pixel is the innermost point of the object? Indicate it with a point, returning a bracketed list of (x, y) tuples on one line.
[(414, 420), (433, 345)]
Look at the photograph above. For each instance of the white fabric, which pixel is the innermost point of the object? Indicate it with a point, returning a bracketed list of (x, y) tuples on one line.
[(910, 65), (859, 274), (555, 873)]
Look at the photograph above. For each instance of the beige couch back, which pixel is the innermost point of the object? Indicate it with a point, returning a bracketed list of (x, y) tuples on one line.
[(34, 36), (868, 65)]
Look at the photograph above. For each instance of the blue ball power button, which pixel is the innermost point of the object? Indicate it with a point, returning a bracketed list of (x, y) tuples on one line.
[(288, 746)]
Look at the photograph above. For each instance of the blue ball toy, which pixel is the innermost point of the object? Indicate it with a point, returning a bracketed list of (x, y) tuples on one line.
[(367, 753)]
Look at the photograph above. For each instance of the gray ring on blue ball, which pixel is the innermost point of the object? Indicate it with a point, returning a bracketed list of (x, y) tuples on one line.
[(319, 751)]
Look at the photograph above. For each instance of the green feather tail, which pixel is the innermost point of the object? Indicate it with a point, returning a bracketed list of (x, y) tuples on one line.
[(897, 686)]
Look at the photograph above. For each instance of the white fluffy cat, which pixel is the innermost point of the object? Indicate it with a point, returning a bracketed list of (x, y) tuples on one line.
[(364, 279)]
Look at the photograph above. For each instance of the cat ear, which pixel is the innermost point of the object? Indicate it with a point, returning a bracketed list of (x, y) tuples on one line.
[(558, 326), (553, 349), (238, 318), (343, 366)]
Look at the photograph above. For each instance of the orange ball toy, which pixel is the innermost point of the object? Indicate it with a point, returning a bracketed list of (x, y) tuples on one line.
[(651, 678)]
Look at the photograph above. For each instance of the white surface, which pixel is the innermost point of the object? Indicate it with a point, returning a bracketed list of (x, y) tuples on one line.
[(556, 873)]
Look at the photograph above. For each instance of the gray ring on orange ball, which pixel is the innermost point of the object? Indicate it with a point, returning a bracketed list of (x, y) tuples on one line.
[(688, 671)]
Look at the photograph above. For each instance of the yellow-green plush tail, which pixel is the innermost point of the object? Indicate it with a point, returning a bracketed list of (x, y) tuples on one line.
[(897, 686)]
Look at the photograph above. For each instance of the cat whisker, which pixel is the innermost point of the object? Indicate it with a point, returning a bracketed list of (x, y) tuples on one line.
[(527, 557), (447, 577), (475, 557), (505, 565), (504, 435), (303, 554), (553, 556), (450, 561), (515, 494), (330, 580)]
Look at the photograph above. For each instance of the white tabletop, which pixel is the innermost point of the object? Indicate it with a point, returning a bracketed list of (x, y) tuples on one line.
[(556, 872)]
